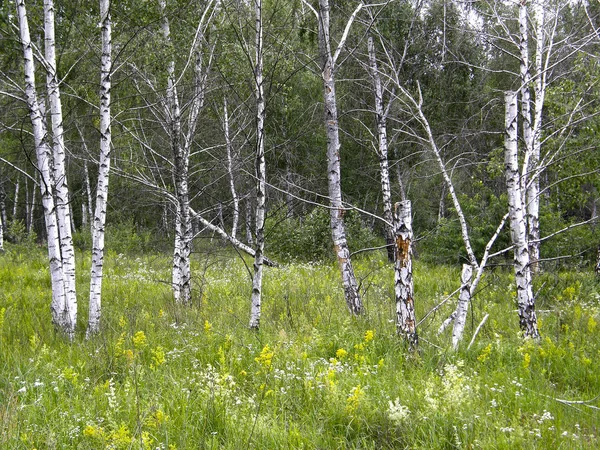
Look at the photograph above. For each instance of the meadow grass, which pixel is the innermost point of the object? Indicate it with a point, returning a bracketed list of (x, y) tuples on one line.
[(165, 376)]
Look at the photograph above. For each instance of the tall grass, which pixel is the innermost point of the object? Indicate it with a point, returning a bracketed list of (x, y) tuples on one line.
[(170, 377)]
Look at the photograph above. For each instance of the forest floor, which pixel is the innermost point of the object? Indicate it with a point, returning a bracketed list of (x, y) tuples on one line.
[(165, 376)]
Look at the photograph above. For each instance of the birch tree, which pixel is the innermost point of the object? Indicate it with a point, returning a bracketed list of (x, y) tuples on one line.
[(328, 61), (61, 188), (381, 113), (517, 211), (103, 171), (406, 324), (260, 171), (63, 311)]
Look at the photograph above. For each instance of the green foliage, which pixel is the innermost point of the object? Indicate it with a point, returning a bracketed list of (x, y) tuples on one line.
[(308, 238), (165, 376), (17, 233)]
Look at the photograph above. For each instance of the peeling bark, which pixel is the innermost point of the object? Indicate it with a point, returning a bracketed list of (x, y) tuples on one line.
[(406, 324)]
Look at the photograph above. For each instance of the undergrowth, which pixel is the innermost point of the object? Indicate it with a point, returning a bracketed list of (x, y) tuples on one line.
[(164, 376)]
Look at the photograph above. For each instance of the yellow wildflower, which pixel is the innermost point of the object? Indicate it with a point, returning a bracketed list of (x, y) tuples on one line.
[(341, 353), (369, 335), (139, 339)]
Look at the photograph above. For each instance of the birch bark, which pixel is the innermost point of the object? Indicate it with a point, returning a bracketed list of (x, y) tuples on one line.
[(525, 299), (59, 308), (406, 324), (338, 229), (61, 188), (183, 229), (382, 151), (533, 188), (230, 170), (463, 305), (99, 223), (256, 297), (16, 199)]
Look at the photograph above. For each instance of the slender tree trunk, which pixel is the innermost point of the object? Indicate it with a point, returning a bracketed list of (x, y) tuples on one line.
[(103, 172), (533, 188), (382, 152), (16, 200), (525, 299), (260, 172), (63, 211), (406, 324), (248, 221), (183, 229), (31, 216), (61, 315), (230, 171), (463, 305), (3, 216), (338, 229)]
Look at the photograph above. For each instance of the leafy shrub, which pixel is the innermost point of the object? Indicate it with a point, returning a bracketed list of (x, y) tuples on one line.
[(309, 237)]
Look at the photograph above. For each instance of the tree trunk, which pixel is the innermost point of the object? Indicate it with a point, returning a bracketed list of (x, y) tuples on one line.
[(406, 324), (382, 152), (533, 188), (61, 316), (230, 170), (260, 173), (31, 214), (16, 200), (61, 188), (338, 229), (525, 299), (183, 229), (103, 172), (248, 221), (463, 305)]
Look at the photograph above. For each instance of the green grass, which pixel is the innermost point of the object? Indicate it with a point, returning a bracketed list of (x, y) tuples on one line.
[(166, 376)]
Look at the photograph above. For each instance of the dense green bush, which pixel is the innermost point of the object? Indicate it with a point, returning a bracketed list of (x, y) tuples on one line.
[(309, 237)]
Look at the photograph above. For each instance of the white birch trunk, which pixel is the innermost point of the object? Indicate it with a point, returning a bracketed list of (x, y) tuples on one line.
[(63, 210), (249, 238), (183, 232), (87, 205), (382, 151), (59, 308), (99, 224), (525, 299), (338, 229), (406, 324), (463, 305), (16, 200), (256, 297), (230, 170), (533, 188), (3, 216), (31, 214)]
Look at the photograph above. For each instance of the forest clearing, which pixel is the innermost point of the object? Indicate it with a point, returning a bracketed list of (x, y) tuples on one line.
[(162, 375)]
